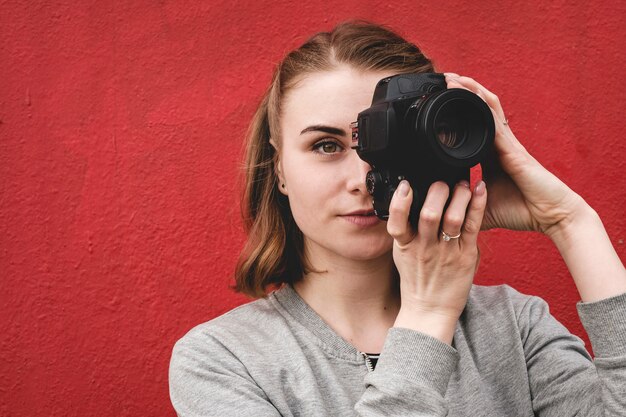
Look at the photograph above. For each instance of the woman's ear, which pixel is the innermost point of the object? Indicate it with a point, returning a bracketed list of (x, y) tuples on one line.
[(278, 171)]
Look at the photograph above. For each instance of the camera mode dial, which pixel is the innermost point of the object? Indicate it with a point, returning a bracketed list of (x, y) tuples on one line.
[(375, 184)]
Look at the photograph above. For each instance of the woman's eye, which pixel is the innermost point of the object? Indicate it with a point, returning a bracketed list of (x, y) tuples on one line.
[(327, 147)]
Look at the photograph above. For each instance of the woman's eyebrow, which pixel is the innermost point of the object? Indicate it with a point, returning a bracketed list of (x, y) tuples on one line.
[(326, 129)]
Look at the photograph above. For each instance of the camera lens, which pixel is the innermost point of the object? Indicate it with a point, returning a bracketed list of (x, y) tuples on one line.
[(450, 132), (458, 125)]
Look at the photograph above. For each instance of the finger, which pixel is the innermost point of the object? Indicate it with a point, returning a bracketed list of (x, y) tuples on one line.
[(431, 212), (475, 214), (454, 215), (398, 225), (455, 83)]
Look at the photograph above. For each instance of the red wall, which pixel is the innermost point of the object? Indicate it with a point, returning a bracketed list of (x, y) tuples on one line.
[(120, 139)]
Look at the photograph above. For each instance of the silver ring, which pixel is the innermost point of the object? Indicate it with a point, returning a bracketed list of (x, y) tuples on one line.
[(447, 237)]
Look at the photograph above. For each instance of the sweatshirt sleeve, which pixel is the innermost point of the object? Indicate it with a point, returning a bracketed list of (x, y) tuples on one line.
[(562, 376), (605, 323), (411, 376), (207, 380)]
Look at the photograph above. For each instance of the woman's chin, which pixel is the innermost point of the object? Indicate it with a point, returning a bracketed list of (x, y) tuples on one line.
[(368, 252)]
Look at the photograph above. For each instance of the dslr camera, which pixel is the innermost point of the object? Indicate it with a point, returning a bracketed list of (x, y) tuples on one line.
[(417, 129)]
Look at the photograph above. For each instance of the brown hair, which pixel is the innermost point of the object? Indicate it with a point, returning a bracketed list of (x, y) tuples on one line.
[(274, 251)]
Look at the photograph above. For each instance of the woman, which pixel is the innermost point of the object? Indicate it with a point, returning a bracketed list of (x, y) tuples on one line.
[(351, 287)]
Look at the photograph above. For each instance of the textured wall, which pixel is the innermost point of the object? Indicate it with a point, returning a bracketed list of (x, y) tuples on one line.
[(120, 136)]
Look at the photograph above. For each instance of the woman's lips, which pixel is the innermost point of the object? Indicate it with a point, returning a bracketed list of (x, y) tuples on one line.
[(365, 219)]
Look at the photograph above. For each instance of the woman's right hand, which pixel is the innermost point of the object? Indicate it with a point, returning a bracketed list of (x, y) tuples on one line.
[(436, 274)]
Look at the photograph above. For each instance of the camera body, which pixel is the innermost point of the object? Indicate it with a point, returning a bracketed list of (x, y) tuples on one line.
[(417, 129)]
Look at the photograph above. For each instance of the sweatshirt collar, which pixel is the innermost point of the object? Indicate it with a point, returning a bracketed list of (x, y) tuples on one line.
[(292, 304)]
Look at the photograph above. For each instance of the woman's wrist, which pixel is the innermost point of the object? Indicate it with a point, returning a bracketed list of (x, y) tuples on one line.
[(579, 214)]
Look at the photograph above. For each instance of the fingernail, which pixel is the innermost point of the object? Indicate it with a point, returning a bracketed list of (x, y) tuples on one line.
[(403, 188), (480, 188), (451, 74), (464, 183)]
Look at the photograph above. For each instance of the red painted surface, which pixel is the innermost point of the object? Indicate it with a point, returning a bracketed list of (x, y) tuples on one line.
[(120, 135)]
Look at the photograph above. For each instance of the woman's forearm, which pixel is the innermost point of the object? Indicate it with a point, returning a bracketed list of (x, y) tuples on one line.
[(589, 255)]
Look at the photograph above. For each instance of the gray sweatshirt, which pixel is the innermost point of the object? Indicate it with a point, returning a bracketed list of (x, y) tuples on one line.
[(509, 357)]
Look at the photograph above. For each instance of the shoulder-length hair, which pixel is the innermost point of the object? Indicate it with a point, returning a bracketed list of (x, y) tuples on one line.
[(274, 251)]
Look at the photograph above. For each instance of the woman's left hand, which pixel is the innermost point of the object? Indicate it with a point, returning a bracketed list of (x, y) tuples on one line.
[(523, 195)]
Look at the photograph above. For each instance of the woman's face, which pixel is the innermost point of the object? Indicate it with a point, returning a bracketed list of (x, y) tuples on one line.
[(325, 179)]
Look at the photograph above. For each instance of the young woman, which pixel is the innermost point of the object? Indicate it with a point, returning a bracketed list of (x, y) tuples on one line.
[(351, 289)]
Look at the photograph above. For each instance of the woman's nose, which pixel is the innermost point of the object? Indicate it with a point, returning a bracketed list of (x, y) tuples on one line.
[(358, 171)]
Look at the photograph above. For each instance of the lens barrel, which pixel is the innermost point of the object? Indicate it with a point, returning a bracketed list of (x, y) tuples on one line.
[(457, 124)]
